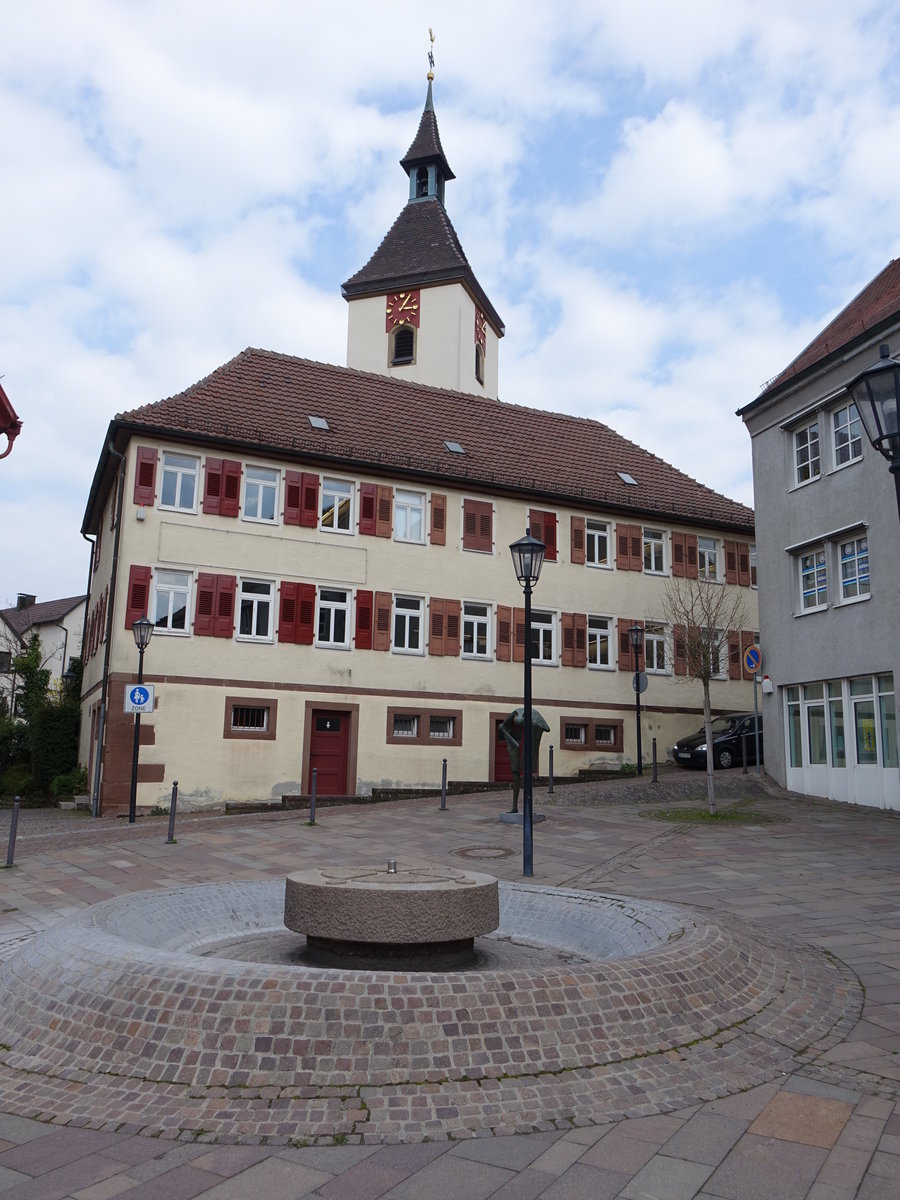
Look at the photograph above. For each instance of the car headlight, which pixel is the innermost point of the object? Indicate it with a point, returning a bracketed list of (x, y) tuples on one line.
[(702, 748)]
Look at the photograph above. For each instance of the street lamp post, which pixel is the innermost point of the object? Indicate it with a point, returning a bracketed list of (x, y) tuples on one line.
[(636, 637), (528, 558), (143, 631), (876, 394)]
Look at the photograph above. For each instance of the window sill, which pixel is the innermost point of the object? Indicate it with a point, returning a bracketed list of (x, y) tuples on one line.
[(341, 532), (659, 574), (478, 657), (410, 653), (409, 541), (600, 667), (268, 640), (259, 520), (157, 632), (853, 600), (852, 462), (599, 566), (796, 487), (808, 612), (331, 646), (173, 508)]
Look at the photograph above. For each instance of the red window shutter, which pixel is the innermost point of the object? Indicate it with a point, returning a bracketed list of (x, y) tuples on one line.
[(678, 638), (212, 487), (691, 568), (485, 538), (504, 629), (230, 503), (206, 605), (306, 613), (381, 635), (637, 548), (678, 565), (223, 618), (309, 500), (549, 538), (580, 639), (576, 552), (451, 627), (536, 524), (623, 547), (138, 594), (731, 566), (436, 628), (384, 512), (518, 635), (287, 613), (438, 520), (292, 497), (734, 655), (365, 603), (368, 495), (568, 639), (145, 475), (743, 552), (470, 525), (626, 655)]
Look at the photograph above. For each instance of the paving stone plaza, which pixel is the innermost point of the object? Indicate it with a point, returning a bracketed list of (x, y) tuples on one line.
[(721, 1018)]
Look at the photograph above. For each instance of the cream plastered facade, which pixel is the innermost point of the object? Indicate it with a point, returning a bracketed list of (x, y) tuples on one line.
[(196, 676), (445, 341)]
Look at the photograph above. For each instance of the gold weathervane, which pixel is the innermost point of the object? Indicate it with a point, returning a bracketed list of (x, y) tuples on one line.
[(431, 57)]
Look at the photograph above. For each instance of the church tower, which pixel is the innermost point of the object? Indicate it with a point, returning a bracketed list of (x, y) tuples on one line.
[(416, 310)]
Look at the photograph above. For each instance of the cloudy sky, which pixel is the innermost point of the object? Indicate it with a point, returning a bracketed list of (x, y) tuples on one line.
[(665, 202)]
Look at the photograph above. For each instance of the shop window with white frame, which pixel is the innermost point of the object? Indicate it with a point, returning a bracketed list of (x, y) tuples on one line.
[(846, 430), (408, 624), (654, 552), (333, 623), (708, 558), (255, 601), (599, 637), (178, 489), (596, 546), (655, 658), (887, 711), (854, 555), (813, 567), (543, 637), (409, 516), (171, 601), (476, 629), (337, 506), (260, 494), (807, 462)]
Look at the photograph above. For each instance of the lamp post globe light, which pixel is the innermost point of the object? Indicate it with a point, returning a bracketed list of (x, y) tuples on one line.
[(636, 637), (143, 631), (876, 394), (528, 558)]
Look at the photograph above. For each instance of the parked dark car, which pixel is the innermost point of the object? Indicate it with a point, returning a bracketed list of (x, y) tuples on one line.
[(728, 742)]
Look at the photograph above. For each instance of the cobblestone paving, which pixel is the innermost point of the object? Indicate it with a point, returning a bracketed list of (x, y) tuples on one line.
[(823, 1125)]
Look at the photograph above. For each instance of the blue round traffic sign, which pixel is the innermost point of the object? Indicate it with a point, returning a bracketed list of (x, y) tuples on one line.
[(752, 659)]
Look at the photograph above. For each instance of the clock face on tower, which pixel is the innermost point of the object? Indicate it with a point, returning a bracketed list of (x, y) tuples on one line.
[(402, 309), (480, 329)]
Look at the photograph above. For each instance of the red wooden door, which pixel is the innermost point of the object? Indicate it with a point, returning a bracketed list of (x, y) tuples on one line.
[(502, 768), (328, 748)]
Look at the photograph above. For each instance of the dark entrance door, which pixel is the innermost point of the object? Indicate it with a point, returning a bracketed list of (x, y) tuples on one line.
[(502, 768), (328, 748)]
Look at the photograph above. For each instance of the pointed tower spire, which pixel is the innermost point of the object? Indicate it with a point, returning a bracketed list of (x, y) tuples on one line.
[(425, 161)]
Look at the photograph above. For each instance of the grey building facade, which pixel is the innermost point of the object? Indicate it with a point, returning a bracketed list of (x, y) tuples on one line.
[(828, 560)]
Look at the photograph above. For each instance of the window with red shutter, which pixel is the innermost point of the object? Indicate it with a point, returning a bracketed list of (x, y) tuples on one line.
[(743, 553), (223, 620), (309, 500), (734, 655), (381, 635), (518, 629), (206, 604), (504, 633), (628, 538), (306, 613), (680, 645), (212, 487), (287, 613), (678, 566), (138, 596), (438, 520), (543, 527), (576, 552), (691, 568), (145, 475), (478, 526), (230, 502), (452, 610), (365, 603), (292, 497), (368, 499), (384, 511), (626, 655), (436, 628), (731, 564), (580, 640)]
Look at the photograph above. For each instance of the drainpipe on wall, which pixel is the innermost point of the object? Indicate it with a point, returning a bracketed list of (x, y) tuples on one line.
[(104, 686)]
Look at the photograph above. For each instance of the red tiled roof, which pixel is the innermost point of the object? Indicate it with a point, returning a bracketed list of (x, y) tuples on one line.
[(20, 620), (879, 301), (381, 424)]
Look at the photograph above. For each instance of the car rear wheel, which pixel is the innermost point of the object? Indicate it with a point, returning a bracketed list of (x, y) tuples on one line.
[(725, 759)]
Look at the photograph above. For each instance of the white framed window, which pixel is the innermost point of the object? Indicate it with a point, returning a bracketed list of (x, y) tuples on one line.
[(708, 558), (854, 568), (337, 506), (179, 482), (260, 494), (599, 637), (596, 534), (574, 734), (847, 434), (655, 658), (718, 654), (409, 516), (813, 579), (807, 463), (250, 718), (171, 601), (255, 610), (408, 624), (405, 726), (543, 637), (443, 727), (333, 620), (476, 630), (654, 552)]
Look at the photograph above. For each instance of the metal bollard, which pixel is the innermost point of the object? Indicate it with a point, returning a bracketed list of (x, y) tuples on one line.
[(550, 785), (312, 796), (443, 785), (13, 826), (655, 774), (173, 804)]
